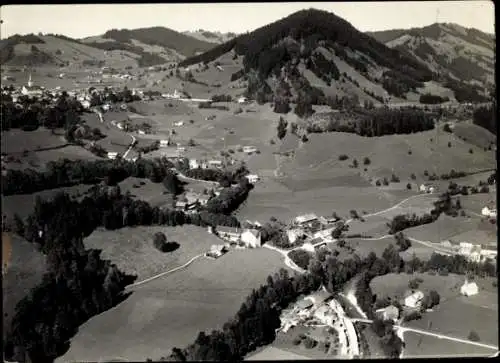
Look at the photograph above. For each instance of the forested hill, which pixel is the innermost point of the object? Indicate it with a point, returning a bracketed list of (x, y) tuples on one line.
[(164, 37), (466, 54), (314, 52)]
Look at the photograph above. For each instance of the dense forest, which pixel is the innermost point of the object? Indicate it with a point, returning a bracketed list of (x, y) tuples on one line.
[(164, 37), (376, 122), (486, 117)]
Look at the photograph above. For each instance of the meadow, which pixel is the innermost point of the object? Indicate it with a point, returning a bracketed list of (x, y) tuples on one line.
[(170, 311), (424, 346), (133, 251)]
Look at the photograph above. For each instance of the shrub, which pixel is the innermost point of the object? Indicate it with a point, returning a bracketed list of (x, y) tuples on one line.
[(296, 341), (272, 142), (366, 161), (304, 138), (378, 183), (394, 178), (355, 163), (447, 128), (385, 181), (408, 186), (191, 142), (409, 152), (471, 151), (414, 284), (413, 176), (310, 343), (426, 173), (449, 143), (159, 240), (473, 336), (343, 157)]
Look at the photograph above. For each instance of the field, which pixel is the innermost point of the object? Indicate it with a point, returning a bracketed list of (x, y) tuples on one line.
[(424, 346), (25, 269), (146, 190), (133, 251), (16, 141), (170, 311), (116, 139), (474, 134), (364, 246), (272, 353), (23, 204), (478, 313), (450, 228), (397, 284)]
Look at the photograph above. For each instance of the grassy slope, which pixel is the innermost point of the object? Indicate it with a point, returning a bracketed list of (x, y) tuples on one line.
[(171, 310)]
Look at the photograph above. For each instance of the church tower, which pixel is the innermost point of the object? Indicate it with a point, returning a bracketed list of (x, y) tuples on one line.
[(30, 82)]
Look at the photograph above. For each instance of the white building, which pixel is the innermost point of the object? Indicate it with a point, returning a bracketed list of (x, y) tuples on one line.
[(193, 164), (251, 238), (306, 218), (179, 123), (249, 149), (414, 300), (242, 100), (229, 233), (487, 212), (465, 248), (85, 104), (294, 234), (215, 163), (31, 89), (164, 143), (469, 288), (112, 155), (426, 188), (388, 313), (252, 178), (324, 234), (308, 247), (141, 132)]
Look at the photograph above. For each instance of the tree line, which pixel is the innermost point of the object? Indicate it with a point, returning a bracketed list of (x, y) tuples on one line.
[(65, 172)]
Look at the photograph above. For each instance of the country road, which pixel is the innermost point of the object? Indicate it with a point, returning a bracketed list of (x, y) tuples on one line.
[(166, 272), (436, 335), (130, 147)]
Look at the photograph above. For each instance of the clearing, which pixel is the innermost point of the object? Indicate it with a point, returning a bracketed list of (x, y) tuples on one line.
[(170, 311)]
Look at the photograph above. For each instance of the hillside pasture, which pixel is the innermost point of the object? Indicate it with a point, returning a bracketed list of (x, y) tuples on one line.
[(133, 251), (364, 246), (395, 285), (23, 204), (446, 228), (146, 190), (388, 154), (170, 311), (475, 135), (424, 346), (25, 269), (16, 141), (480, 318)]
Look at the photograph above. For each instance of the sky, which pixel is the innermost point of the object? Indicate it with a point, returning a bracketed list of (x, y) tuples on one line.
[(79, 21)]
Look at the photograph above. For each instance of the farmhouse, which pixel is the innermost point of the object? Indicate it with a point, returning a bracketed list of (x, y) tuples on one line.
[(252, 178), (487, 212), (193, 164), (325, 315), (306, 219), (308, 247), (183, 205), (388, 313), (469, 288), (215, 163), (414, 300), (324, 234), (164, 143), (427, 188), (294, 234), (229, 233), (465, 248), (249, 149), (217, 251), (242, 100), (179, 123), (251, 238), (112, 155)]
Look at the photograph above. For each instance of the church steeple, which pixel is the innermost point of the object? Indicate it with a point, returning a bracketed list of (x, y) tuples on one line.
[(30, 82)]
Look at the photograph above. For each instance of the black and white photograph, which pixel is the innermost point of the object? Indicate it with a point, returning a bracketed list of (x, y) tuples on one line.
[(248, 181)]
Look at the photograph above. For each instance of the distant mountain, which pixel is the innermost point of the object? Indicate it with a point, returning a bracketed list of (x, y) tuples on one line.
[(316, 54), (117, 48), (168, 39), (464, 54), (211, 37)]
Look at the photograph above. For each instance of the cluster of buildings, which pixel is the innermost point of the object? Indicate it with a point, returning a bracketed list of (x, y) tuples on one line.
[(427, 188), (244, 237), (190, 201), (313, 230), (321, 309), (476, 252), (489, 211)]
